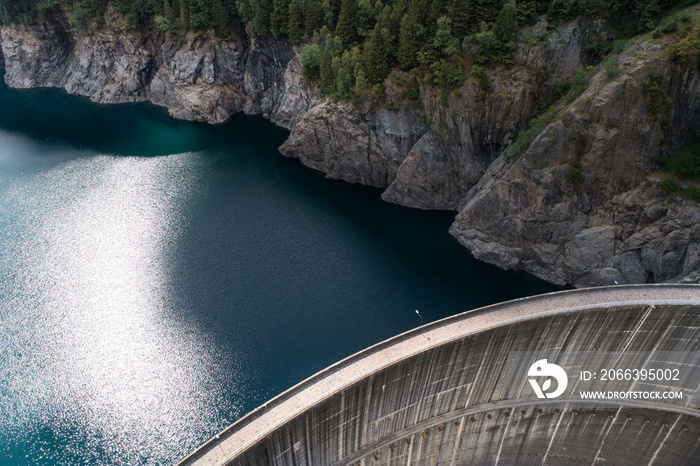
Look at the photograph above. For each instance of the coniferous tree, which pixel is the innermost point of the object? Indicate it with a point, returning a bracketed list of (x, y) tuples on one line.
[(445, 43), (507, 22), (460, 14), (184, 16), (220, 19), (199, 15), (310, 58), (408, 45), (280, 17), (377, 56), (343, 82), (361, 83), (168, 12), (333, 12), (261, 17), (326, 67), (347, 23), (296, 27), (314, 16)]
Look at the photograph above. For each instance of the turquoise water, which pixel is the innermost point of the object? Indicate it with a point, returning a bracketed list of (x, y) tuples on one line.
[(159, 279)]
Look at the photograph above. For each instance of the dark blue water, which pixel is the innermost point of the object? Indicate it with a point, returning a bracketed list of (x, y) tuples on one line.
[(159, 279)]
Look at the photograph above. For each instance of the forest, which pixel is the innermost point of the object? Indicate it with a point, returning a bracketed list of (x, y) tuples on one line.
[(349, 47)]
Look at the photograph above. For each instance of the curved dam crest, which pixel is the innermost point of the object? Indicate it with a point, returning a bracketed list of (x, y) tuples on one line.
[(426, 396)]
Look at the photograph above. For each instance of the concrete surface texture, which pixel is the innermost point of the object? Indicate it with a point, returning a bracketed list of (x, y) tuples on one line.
[(443, 394)]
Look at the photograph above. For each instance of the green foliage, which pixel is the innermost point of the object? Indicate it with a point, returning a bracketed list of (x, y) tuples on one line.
[(526, 138), (296, 26), (684, 49), (575, 174), (164, 25), (599, 49), (670, 185), (378, 61), (571, 89), (314, 17), (482, 78), (436, 40), (610, 66), (409, 44), (506, 24), (685, 162), (347, 23), (659, 106), (280, 17), (310, 58), (692, 192), (560, 90)]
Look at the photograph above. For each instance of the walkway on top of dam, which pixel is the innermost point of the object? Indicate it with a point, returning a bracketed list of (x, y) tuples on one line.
[(264, 420)]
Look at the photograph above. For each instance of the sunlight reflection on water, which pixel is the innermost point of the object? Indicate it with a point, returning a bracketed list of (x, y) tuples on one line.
[(85, 309)]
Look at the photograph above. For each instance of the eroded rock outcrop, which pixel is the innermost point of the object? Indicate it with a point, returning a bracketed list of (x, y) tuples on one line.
[(200, 78), (431, 164), (581, 205)]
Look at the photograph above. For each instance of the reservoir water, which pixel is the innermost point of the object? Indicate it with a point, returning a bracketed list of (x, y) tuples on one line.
[(159, 279)]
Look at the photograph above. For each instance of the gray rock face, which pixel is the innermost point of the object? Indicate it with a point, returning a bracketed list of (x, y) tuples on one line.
[(2, 56), (204, 79), (616, 225), (353, 145)]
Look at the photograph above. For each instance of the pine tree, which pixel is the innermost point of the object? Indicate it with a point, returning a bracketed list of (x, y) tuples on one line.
[(445, 43), (200, 18), (361, 83), (326, 69), (347, 23), (314, 16), (408, 45), (343, 82), (261, 17), (168, 12), (506, 24), (184, 16), (220, 20), (295, 30), (310, 58), (333, 12), (377, 56), (460, 14), (280, 17)]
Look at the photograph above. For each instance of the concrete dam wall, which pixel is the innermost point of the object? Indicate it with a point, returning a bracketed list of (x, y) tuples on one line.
[(456, 391)]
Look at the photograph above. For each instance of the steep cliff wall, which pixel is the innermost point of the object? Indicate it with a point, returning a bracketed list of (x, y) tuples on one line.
[(436, 151), (613, 224), (197, 78), (432, 162)]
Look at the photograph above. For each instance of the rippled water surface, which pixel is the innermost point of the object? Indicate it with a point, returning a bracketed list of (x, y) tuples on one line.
[(158, 279)]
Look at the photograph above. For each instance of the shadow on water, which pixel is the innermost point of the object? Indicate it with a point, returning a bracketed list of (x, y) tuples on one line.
[(284, 270), (142, 129)]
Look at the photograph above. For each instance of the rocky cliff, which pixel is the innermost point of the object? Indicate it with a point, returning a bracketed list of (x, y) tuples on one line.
[(521, 212), (197, 78), (610, 222)]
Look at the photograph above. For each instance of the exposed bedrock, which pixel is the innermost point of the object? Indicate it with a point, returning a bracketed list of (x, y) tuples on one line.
[(613, 223)]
